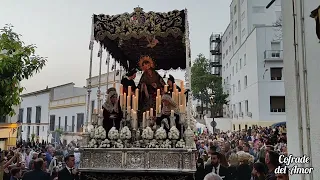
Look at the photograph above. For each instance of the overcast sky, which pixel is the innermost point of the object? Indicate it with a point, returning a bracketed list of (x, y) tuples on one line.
[(61, 30)]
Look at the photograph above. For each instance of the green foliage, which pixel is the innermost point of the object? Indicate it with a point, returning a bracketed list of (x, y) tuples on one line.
[(17, 62), (59, 131), (205, 84)]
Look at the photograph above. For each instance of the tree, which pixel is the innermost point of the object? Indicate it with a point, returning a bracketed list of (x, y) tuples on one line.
[(206, 85), (17, 62)]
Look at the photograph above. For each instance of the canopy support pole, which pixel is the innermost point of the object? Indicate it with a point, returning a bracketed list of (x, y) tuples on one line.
[(108, 70), (99, 88)]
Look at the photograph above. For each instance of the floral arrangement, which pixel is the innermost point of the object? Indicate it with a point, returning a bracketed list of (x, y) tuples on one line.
[(105, 144), (181, 144), (100, 133), (147, 133), (174, 133), (161, 134), (153, 144), (119, 144), (93, 143), (166, 144), (125, 133), (113, 134)]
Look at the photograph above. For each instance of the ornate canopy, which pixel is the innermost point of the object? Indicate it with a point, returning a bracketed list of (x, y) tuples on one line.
[(127, 37)]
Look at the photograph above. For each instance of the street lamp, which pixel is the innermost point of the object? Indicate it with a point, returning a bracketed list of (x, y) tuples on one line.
[(212, 101)]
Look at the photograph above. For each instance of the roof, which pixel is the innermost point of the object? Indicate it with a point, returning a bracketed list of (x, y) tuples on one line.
[(129, 36), (45, 90)]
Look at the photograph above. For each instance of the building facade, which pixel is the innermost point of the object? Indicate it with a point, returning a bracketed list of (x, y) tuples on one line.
[(252, 63), (9, 130)]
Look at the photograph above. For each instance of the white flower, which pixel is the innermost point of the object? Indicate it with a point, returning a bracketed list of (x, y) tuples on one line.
[(105, 143), (113, 134), (153, 144), (174, 133), (161, 134), (166, 144), (147, 133), (100, 133), (125, 133), (180, 144), (92, 143)]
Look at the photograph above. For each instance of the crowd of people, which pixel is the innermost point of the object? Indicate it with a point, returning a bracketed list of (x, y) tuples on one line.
[(251, 154), (37, 161)]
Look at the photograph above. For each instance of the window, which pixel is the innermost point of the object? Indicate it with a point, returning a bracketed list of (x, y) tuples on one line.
[(230, 62), (38, 114), (240, 63), (230, 77), (245, 59), (65, 123), (227, 79), (258, 9), (227, 52), (38, 130), (52, 122), (59, 125), (233, 89), (235, 40), (227, 65), (80, 121), (235, 9), (245, 81), (277, 104), (232, 70), (239, 86), (230, 48), (92, 106), (236, 67), (235, 24), (29, 111), (246, 106), (224, 68), (240, 108), (275, 46), (42, 128), (224, 55), (28, 132), (276, 73), (20, 117), (72, 124)]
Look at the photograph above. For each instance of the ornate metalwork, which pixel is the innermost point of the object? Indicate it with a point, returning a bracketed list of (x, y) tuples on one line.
[(137, 160), (133, 176)]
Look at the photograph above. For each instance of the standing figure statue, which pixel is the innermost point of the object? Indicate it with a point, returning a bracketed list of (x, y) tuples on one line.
[(112, 113), (149, 83)]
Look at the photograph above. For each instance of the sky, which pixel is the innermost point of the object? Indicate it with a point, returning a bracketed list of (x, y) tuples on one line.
[(61, 30)]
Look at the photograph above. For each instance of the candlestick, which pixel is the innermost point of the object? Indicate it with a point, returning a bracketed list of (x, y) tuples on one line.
[(121, 89), (165, 88), (121, 101), (129, 91), (151, 112), (147, 115), (124, 100), (144, 120)]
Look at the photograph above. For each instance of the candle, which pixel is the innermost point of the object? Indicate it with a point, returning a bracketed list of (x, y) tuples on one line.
[(147, 115), (159, 109), (181, 109), (129, 91), (181, 85), (157, 103), (160, 100), (128, 101), (172, 113), (174, 87), (165, 88), (144, 120), (151, 112), (124, 100), (137, 97), (133, 103), (128, 110), (158, 92), (173, 95), (121, 89), (121, 101), (180, 100), (135, 122)]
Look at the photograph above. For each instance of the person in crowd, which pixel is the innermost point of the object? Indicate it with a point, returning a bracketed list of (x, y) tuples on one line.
[(216, 167), (69, 172), (48, 154), (212, 176), (283, 176), (258, 171), (37, 173), (171, 82), (272, 162), (15, 173), (234, 163), (128, 80), (112, 113)]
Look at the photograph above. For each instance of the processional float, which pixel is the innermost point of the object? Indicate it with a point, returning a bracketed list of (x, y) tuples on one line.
[(115, 154)]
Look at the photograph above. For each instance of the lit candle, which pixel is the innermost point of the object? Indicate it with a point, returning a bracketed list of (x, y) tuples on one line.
[(121, 89), (144, 120), (129, 91), (172, 113), (158, 92), (151, 112), (121, 101), (165, 88), (147, 115), (124, 100), (128, 101)]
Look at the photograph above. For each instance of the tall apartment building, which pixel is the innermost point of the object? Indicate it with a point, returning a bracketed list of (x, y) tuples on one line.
[(252, 63)]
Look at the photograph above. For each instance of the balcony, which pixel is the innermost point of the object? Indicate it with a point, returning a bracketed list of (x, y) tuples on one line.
[(273, 55), (68, 102), (215, 64), (64, 129)]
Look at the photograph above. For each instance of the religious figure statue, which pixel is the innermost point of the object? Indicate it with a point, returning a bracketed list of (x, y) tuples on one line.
[(149, 83), (170, 82), (167, 105), (112, 113)]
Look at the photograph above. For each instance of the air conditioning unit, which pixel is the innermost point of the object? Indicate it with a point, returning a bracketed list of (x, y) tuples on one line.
[(241, 114), (249, 114)]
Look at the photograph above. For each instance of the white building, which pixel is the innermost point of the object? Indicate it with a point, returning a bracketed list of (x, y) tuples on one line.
[(301, 84), (252, 62), (43, 112)]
